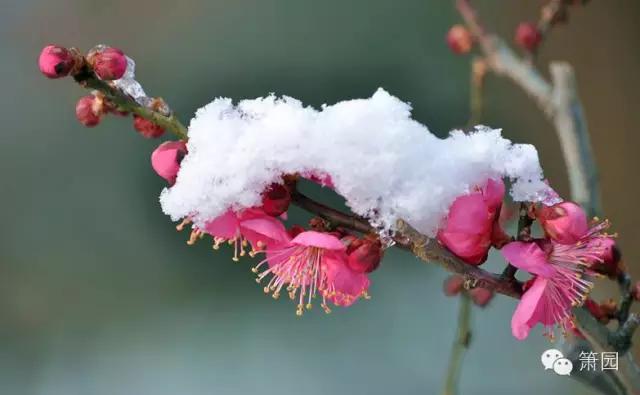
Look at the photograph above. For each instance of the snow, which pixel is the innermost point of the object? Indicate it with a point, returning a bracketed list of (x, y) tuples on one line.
[(386, 165)]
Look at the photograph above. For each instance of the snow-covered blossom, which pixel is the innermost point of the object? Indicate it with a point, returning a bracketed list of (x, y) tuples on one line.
[(472, 223), (386, 165), (564, 222), (309, 265)]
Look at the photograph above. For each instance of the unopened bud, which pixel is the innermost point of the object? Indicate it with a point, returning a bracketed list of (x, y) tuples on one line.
[(459, 39), (276, 199), (528, 36), (366, 257), (146, 127), (453, 285), (166, 159), (89, 110), (108, 63), (56, 61), (481, 296)]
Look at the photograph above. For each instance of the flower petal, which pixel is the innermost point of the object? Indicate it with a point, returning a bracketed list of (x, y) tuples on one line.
[(527, 313), (225, 226), (267, 230), (312, 238), (494, 193), (529, 257)]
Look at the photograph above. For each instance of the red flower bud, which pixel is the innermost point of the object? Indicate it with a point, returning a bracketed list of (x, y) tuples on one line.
[(89, 110), (55, 61), (366, 257), (481, 296), (459, 39), (108, 63), (595, 309), (276, 199), (166, 159), (528, 36), (147, 128), (453, 285)]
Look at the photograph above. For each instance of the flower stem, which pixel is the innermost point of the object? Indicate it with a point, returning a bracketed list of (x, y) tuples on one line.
[(460, 346)]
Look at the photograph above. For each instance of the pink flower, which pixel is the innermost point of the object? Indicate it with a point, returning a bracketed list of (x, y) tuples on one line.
[(166, 159), (562, 280), (249, 227), (565, 222), (312, 263), (472, 224)]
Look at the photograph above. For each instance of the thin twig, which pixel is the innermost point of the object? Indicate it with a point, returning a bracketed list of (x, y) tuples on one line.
[(124, 102), (460, 345)]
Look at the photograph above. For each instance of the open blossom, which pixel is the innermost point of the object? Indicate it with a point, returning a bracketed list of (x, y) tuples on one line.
[(249, 230), (471, 226), (309, 265), (562, 278), (564, 222)]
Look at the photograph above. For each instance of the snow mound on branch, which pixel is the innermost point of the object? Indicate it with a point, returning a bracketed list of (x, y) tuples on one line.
[(387, 165)]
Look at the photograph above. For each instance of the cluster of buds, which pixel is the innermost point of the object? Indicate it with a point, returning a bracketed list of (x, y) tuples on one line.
[(107, 64)]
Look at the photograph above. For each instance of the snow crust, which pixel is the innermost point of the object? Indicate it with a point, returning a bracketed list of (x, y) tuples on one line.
[(386, 165)]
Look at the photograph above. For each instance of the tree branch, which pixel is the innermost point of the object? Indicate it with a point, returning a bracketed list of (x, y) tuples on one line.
[(558, 101)]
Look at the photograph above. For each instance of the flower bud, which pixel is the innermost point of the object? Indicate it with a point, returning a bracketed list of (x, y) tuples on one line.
[(166, 159), (108, 63), (635, 291), (453, 285), (528, 36), (459, 39), (365, 257), (89, 110), (564, 222), (595, 309), (276, 199), (481, 296), (610, 256), (609, 307), (295, 230), (56, 62), (146, 127)]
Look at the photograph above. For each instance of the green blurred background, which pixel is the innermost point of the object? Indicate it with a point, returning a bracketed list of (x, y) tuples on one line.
[(100, 295)]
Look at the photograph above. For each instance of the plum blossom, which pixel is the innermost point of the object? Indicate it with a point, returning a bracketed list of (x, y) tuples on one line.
[(563, 274), (312, 264), (472, 224), (250, 229)]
